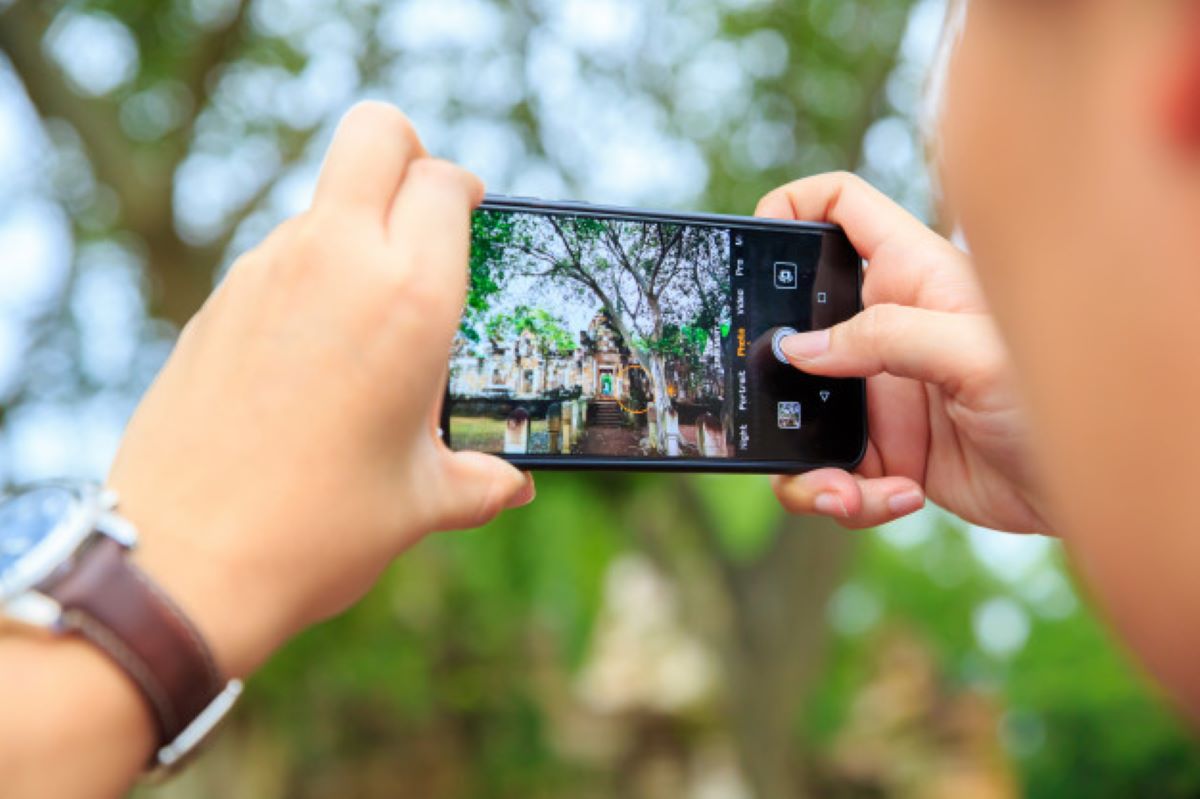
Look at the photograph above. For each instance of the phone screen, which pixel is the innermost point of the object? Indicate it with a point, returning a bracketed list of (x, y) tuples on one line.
[(617, 338)]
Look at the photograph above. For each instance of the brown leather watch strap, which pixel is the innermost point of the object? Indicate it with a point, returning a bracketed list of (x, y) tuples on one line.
[(111, 602)]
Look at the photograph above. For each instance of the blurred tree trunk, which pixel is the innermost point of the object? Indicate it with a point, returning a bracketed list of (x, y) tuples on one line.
[(777, 648), (764, 614)]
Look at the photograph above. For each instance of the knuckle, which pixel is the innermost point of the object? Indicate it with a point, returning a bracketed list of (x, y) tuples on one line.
[(849, 186), (191, 331), (434, 299), (774, 195), (440, 173), (848, 183), (307, 244), (819, 191), (284, 230), (847, 179), (404, 290), (243, 276), (991, 362), (877, 323), (244, 265), (278, 240), (261, 255), (778, 202), (379, 117)]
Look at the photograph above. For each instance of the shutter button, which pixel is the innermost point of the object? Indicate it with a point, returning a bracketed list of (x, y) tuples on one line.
[(777, 340)]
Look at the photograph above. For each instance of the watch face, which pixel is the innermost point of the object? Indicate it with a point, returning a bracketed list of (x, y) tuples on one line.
[(27, 520)]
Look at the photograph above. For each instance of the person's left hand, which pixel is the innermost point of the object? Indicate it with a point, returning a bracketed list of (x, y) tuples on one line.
[(288, 451)]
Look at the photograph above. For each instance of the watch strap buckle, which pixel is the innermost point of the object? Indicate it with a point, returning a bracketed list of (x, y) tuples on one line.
[(170, 758)]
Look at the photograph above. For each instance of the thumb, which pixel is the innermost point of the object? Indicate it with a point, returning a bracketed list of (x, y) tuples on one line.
[(945, 349), (479, 487)]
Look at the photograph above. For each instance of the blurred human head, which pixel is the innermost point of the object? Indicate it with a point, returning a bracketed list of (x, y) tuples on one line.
[(1065, 163), (1056, 138)]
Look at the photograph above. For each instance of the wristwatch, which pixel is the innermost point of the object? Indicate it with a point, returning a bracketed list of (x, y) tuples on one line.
[(65, 567)]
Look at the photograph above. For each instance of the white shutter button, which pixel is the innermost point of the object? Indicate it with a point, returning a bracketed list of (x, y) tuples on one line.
[(777, 341)]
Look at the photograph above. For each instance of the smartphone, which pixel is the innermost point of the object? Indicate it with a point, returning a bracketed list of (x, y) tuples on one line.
[(612, 338)]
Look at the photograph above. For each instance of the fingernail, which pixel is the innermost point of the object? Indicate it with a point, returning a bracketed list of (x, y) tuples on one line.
[(525, 496), (906, 502), (830, 505), (806, 346)]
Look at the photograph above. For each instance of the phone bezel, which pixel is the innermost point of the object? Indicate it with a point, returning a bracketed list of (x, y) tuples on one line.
[(613, 463)]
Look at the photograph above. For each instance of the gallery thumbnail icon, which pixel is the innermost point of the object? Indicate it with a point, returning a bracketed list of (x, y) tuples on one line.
[(789, 416)]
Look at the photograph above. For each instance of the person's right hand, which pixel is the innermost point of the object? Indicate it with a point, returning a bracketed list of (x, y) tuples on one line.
[(944, 414)]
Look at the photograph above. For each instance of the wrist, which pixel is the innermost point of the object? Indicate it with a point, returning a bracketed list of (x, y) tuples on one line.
[(210, 586)]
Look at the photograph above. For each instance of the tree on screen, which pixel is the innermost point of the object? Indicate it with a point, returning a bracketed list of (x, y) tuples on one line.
[(491, 234), (551, 333), (662, 286)]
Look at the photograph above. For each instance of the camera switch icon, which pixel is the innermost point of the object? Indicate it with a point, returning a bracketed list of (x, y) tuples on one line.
[(786, 276)]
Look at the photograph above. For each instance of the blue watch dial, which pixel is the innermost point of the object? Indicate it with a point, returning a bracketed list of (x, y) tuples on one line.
[(27, 519)]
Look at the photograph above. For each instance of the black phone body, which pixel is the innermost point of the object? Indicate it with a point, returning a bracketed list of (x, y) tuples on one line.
[(600, 337)]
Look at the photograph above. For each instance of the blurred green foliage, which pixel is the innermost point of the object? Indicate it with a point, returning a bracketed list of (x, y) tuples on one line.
[(457, 633)]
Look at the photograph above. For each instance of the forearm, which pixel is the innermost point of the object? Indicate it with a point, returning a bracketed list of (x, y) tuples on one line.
[(71, 723)]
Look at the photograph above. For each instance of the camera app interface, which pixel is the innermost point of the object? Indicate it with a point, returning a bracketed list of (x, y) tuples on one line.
[(620, 338)]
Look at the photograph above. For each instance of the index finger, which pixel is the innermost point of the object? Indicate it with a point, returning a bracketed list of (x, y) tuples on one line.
[(870, 218), (367, 161), (430, 230), (909, 264)]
